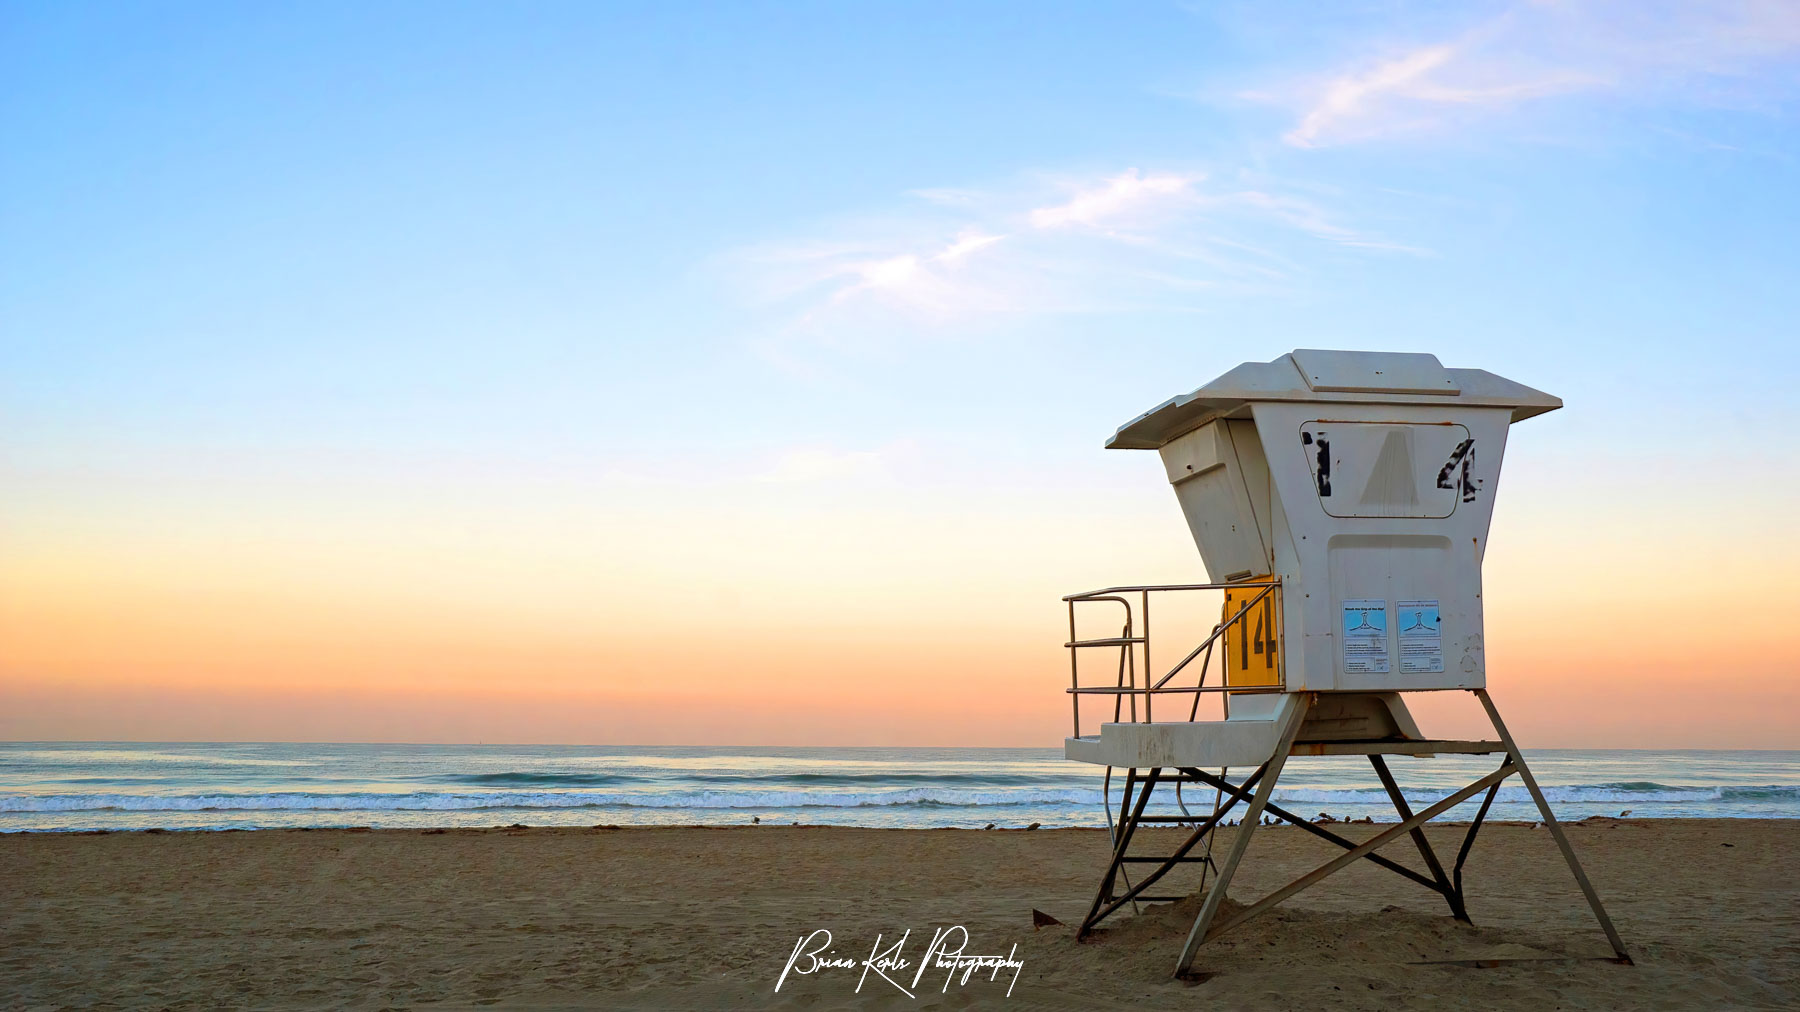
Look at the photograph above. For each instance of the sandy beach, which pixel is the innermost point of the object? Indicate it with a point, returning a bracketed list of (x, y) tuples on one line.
[(707, 918)]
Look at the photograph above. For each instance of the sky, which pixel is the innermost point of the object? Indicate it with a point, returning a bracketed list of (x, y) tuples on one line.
[(739, 373)]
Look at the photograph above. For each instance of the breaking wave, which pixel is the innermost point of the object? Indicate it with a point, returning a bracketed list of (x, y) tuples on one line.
[(871, 778), (422, 802)]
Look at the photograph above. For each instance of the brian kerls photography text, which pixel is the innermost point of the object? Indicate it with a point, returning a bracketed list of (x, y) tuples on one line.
[(947, 952)]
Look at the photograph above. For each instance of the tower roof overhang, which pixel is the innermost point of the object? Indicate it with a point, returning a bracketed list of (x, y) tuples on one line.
[(1331, 377)]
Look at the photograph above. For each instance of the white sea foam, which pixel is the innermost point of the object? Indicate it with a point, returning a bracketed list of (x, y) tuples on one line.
[(424, 802), (1512, 794)]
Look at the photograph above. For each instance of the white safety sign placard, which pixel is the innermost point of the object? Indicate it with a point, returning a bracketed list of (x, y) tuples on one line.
[(1421, 637), (1365, 638)]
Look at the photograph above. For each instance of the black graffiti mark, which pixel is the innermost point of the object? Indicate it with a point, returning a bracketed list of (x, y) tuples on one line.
[(1456, 457), (1462, 458), (1322, 475)]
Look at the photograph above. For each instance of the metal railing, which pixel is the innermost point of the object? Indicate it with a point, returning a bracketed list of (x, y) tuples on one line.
[(1134, 640)]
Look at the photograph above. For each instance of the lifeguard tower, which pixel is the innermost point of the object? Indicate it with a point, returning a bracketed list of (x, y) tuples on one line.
[(1340, 501)]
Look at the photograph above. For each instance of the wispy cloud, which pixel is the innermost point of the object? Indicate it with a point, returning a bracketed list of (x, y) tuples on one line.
[(1538, 50), (965, 244), (1129, 238), (1416, 90), (1128, 194)]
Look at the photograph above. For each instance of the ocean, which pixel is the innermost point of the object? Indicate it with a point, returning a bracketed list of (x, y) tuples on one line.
[(65, 786)]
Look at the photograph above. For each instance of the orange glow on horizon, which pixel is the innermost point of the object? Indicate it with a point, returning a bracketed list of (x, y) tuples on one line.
[(832, 622)]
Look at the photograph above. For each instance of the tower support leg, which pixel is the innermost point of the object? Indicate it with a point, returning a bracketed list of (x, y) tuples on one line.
[(1555, 828), (1418, 837), (1361, 850), (1246, 828)]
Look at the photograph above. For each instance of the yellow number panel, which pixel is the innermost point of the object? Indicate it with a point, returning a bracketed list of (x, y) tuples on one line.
[(1253, 642)]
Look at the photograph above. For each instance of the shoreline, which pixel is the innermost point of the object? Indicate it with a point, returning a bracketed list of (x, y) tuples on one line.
[(1590, 820), (776, 824), (704, 917)]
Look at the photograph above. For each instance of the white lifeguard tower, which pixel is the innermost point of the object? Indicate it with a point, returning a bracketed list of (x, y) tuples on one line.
[(1340, 501)]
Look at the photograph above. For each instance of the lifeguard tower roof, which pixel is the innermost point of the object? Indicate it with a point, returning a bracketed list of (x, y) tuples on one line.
[(1346, 377)]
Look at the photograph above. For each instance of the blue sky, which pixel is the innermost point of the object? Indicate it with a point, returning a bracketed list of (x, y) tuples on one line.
[(320, 269), (421, 223)]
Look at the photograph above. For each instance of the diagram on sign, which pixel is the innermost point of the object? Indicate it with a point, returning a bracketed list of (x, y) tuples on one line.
[(1421, 637), (1365, 641)]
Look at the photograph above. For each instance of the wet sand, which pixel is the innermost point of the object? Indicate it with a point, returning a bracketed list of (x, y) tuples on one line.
[(707, 918)]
